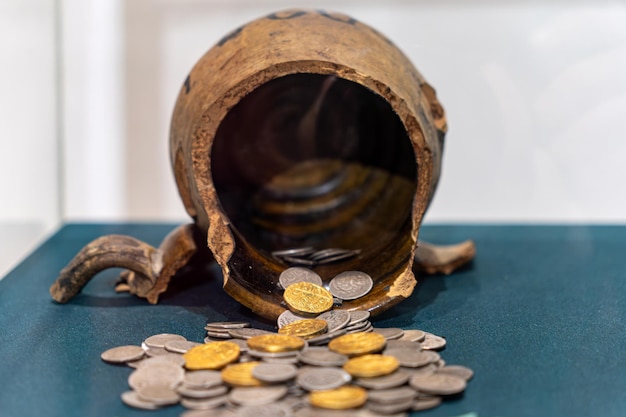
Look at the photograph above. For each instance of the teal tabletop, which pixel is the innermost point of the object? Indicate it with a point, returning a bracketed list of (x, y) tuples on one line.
[(540, 316)]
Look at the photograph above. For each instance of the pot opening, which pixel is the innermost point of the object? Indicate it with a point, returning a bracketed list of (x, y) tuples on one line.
[(316, 160)]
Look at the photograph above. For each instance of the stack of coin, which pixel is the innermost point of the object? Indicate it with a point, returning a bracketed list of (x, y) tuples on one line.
[(309, 256), (242, 371)]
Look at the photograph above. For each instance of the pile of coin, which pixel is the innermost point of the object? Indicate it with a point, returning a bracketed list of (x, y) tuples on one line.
[(309, 368), (310, 256)]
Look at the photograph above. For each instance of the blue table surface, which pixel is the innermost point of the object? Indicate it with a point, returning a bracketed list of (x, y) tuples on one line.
[(540, 317)]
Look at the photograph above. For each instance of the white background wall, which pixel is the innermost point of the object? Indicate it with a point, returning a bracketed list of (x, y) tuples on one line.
[(535, 93)]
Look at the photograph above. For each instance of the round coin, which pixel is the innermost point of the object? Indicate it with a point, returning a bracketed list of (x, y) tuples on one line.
[(214, 355), (179, 346), (413, 335), (131, 399), (360, 343), (224, 325), (322, 357), (392, 395), (358, 316), (247, 332), (351, 285), (420, 404), (432, 342), (308, 298), (174, 358), (122, 354), (390, 333), (316, 379), (341, 398), (305, 329), (438, 384), (159, 394), (240, 375), (166, 373), (457, 370), (206, 404), (369, 366), (212, 392), (158, 340), (394, 379), (257, 395), (336, 319), (266, 410), (202, 379), (275, 343), (288, 316), (413, 358), (274, 372), (297, 274)]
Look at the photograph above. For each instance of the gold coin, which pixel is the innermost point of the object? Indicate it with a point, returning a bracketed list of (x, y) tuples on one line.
[(369, 366), (240, 375), (342, 398), (275, 343), (359, 343), (305, 329), (308, 298), (214, 355)]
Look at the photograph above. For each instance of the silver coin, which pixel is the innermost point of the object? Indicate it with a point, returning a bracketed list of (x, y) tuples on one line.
[(122, 354), (287, 317), (338, 257), (358, 316), (247, 332), (390, 333), (257, 395), (457, 370), (392, 395), (290, 360), (158, 393), (225, 325), (412, 358), (205, 403), (307, 250), (364, 412), (165, 372), (440, 363), (433, 342), (326, 337), (267, 410), (321, 412), (274, 372), (325, 253), (296, 274), (243, 345), (174, 358), (322, 357), (324, 378), (154, 351), (202, 379), (211, 392), (292, 260), (403, 344), (390, 408), (179, 346), (135, 364), (208, 412), (392, 380), (350, 285), (420, 404), (336, 319), (358, 326), (158, 340), (413, 335), (438, 384), (131, 399), (429, 369), (219, 335)]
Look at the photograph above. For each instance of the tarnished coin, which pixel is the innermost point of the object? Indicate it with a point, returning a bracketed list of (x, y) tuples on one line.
[(154, 351), (122, 354), (390, 333), (215, 391), (457, 370), (158, 393), (369, 366), (275, 343), (350, 285), (166, 373), (358, 316), (179, 346), (413, 335), (420, 404), (207, 404), (305, 329), (131, 399), (174, 358), (412, 358), (324, 338), (402, 344), (202, 379), (429, 369), (226, 325), (158, 340), (341, 398), (289, 316), (307, 298), (390, 408), (266, 410), (214, 355), (297, 274), (336, 319), (322, 357), (438, 384), (394, 379), (257, 395), (247, 332), (432, 342), (358, 344), (219, 335), (316, 379), (267, 372), (273, 355), (392, 395), (240, 375)]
